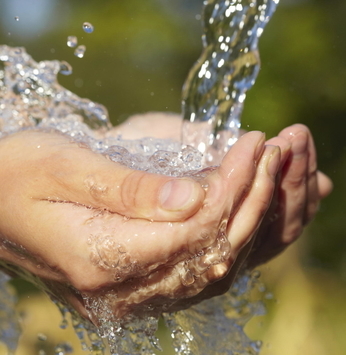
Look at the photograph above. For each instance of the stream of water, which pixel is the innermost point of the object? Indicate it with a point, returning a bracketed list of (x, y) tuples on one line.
[(215, 89), (213, 96)]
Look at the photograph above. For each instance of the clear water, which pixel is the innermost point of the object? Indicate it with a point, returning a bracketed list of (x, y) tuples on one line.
[(215, 90), (215, 326), (31, 97), (9, 325)]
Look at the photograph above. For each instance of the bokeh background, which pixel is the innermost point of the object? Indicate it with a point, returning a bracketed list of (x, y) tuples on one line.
[(136, 60)]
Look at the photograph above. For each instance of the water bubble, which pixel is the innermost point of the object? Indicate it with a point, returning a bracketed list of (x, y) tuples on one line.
[(72, 41), (65, 68), (64, 324), (262, 288), (63, 349), (41, 336), (80, 51), (256, 274), (16, 18), (269, 296), (117, 153), (88, 27), (186, 277)]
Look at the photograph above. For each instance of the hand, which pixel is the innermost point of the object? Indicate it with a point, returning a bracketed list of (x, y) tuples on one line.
[(64, 222), (299, 190), (43, 172)]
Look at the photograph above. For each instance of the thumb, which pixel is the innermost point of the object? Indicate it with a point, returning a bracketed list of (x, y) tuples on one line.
[(93, 180)]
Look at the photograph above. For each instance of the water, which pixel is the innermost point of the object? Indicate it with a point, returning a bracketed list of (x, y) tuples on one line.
[(88, 27), (216, 326), (9, 325), (216, 87), (80, 51), (72, 41), (30, 97)]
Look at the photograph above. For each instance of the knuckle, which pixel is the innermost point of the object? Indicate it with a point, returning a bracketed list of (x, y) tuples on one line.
[(295, 182), (242, 192), (129, 190), (292, 233)]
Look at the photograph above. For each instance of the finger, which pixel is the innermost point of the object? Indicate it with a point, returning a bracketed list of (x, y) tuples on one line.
[(77, 175), (285, 147), (325, 184), (247, 220), (230, 182), (313, 196), (251, 212), (294, 184)]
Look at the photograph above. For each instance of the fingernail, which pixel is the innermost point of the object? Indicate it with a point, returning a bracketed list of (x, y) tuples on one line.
[(179, 194), (300, 143), (260, 146), (274, 161)]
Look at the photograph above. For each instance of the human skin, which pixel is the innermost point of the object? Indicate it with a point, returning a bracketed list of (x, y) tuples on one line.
[(300, 186), (55, 209)]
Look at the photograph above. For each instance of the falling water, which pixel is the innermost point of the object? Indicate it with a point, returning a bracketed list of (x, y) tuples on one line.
[(215, 89), (30, 97)]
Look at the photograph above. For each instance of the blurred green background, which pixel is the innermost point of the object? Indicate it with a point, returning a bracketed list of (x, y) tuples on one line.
[(136, 60)]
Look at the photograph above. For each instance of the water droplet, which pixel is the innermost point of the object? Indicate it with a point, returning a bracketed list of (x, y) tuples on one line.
[(88, 27), (63, 349), (72, 41), (205, 186), (187, 278), (63, 324), (269, 296), (262, 288), (65, 68), (16, 18), (256, 274), (41, 336), (80, 51), (121, 249)]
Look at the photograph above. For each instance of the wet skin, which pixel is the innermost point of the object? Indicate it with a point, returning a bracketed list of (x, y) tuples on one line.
[(63, 207)]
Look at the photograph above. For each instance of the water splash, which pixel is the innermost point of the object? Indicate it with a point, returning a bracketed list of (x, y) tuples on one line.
[(215, 90), (9, 326), (30, 93), (216, 326), (30, 97)]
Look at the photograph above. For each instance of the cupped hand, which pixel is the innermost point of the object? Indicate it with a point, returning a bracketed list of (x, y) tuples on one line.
[(300, 188), (46, 180), (298, 191), (65, 220)]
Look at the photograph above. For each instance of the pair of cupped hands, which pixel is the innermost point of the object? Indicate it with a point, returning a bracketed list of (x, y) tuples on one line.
[(86, 226)]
